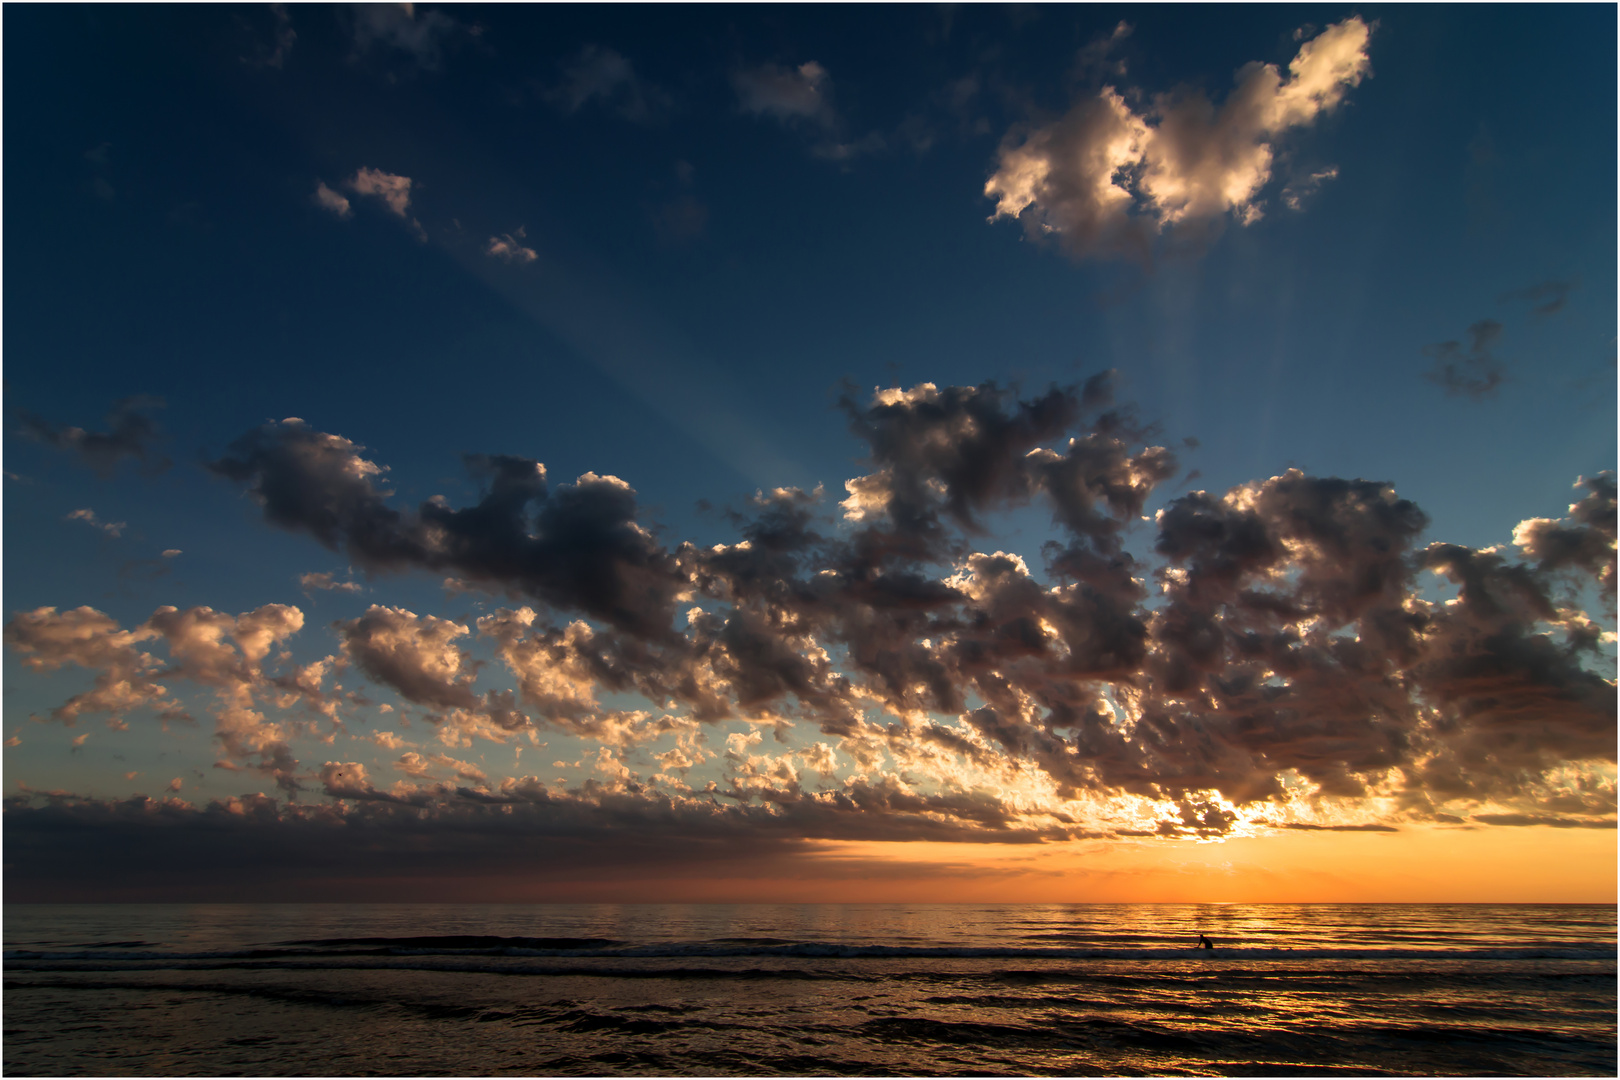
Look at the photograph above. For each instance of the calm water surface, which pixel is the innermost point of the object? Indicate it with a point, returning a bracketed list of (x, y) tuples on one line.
[(759, 989)]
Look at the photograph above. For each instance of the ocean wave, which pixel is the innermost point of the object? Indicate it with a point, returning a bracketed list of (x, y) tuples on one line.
[(582, 949)]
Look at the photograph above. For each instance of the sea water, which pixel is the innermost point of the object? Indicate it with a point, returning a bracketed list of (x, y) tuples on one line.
[(760, 989)]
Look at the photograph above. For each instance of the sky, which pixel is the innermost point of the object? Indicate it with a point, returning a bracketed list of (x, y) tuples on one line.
[(810, 453)]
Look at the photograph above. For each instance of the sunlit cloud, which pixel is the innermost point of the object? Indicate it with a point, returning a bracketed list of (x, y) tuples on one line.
[(113, 529), (1107, 178), (508, 247), (327, 199), (394, 191)]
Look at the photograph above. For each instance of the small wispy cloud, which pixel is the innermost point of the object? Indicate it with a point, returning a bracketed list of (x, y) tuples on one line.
[(605, 77), (1470, 370), (283, 37), (327, 199), (508, 247), (392, 189), (323, 583), (88, 516), (1547, 298), (1299, 190), (420, 35), (786, 94)]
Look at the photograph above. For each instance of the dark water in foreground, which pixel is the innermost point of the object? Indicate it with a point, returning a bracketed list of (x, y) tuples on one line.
[(764, 989)]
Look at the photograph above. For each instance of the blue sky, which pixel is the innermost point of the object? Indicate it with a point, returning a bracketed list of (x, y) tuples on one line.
[(663, 245)]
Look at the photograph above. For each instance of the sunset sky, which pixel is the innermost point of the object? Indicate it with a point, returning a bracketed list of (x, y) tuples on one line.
[(907, 453)]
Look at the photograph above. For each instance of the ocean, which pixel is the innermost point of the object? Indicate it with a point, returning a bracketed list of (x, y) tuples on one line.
[(802, 990)]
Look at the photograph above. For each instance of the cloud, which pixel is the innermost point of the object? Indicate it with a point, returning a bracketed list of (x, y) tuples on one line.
[(1473, 372), (601, 75), (1583, 541), (347, 780), (1302, 188), (87, 638), (130, 433), (1265, 657), (324, 582), (394, 191), (421, 35), (1096, 57), (521, 831), (1105, 179), (170, 553), (1547, 298), (284, 38), (210, 649), (508, 248), (414, 655), (789, 95), (113, 529), (576, 547), (327, 199)]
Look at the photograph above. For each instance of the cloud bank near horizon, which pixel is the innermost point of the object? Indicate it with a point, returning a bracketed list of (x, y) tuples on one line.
[(1283, 661)]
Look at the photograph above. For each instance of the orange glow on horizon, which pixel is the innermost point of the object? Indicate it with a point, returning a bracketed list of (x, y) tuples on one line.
[(1437, 865)]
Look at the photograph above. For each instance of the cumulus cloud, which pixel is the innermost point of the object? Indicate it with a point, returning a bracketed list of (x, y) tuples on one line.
[(347, 780), (212, 650), (1584, 541), (415, 655), (508, 247), (394, 191), (1471, 370), (1106, 178), (113, 529), (327, 199), (87, 638), (577, 547), (130, 433)]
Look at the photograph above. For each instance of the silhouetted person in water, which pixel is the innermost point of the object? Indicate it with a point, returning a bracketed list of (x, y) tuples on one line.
[(1204, 942)]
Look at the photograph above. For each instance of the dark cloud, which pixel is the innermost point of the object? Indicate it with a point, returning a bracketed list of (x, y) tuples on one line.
[(1542, 819), (1468, 371), (1583, 541), (579, 547), (59, 845), (130, 433)]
